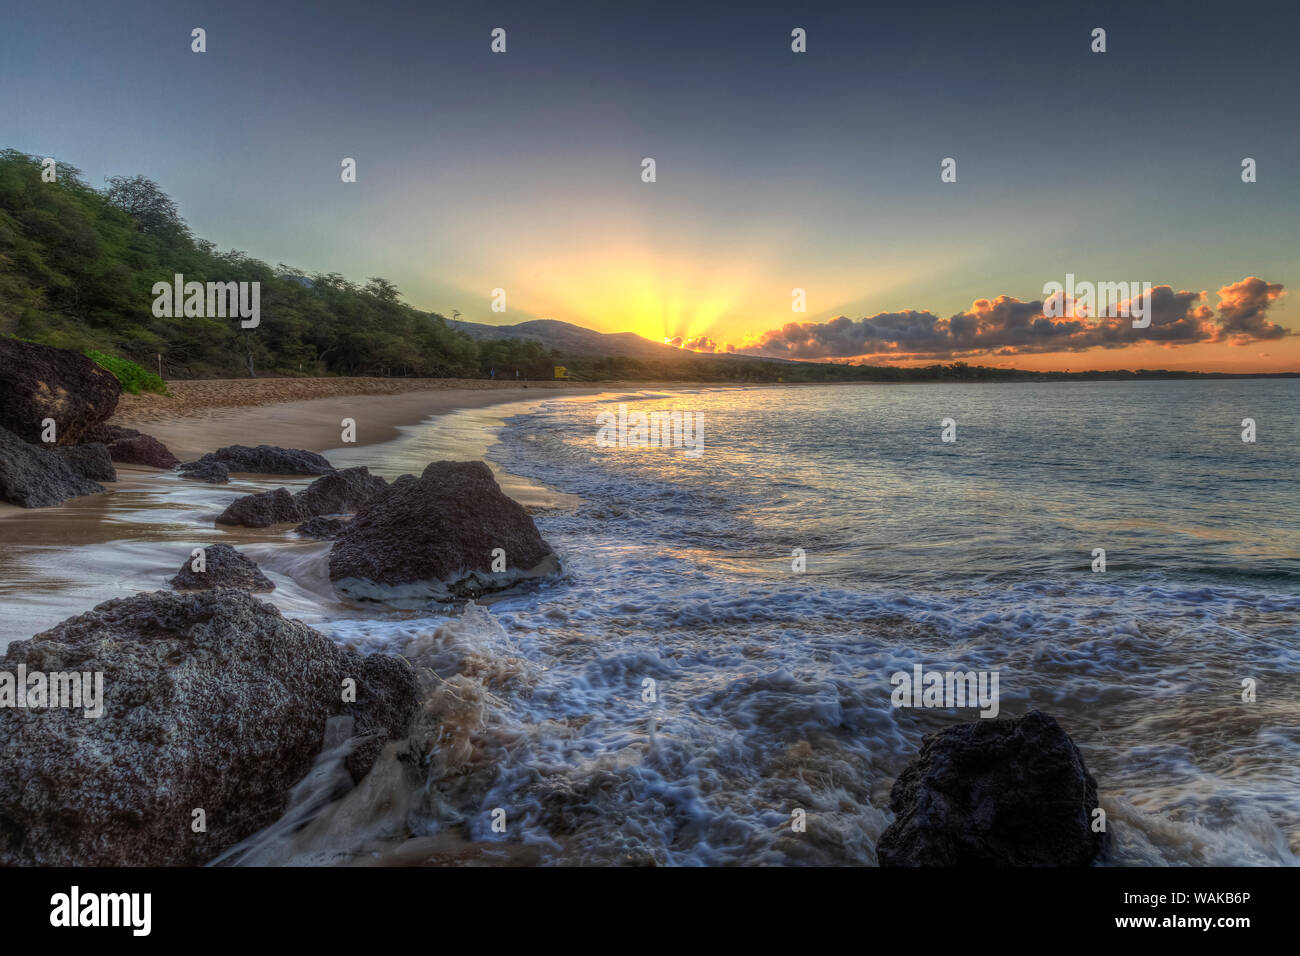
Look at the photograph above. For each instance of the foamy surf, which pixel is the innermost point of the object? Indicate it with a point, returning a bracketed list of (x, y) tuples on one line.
[(538, 742)]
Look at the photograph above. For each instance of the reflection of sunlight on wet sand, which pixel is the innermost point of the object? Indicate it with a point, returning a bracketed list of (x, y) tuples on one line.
[(457, 436)]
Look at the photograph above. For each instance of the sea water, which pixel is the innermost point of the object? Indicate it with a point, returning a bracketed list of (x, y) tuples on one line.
[(714, 662), (771, 684)]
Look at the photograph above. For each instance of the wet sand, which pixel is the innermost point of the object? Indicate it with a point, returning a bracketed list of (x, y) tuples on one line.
[(60, 561)]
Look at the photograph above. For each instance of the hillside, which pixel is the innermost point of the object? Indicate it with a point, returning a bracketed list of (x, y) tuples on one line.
[(568, 339), (78, 265)]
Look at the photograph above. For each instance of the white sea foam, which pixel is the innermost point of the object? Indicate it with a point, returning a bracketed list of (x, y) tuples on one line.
[(771, 687)]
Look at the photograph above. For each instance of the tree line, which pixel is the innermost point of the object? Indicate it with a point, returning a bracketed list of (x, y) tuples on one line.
[(78, 265)]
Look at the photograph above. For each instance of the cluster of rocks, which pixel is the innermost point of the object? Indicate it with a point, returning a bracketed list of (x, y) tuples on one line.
[(339, 492), (213, 701), (213, 705), (449, 533), (48, 393)]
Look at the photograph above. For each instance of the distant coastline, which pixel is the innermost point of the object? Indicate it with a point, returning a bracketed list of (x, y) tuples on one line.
[(199, 414)]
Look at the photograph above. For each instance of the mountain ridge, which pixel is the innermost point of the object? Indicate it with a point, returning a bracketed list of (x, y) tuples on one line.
[(568, 338)]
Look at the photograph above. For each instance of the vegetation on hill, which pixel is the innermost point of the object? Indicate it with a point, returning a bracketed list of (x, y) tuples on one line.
[(132, 377), (78, 265)]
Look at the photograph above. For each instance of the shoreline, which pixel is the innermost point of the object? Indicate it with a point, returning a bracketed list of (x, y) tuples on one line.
[(312, 424), (204, 415), (187, 395), (36, 544)]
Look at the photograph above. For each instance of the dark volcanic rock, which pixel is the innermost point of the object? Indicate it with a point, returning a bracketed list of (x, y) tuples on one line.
[(37, 477), (224, 567), (211, 700), (265, 460), (1011, 792), (342, 492), (262, 510), (89, 461), (213, 472), (433, 537), (143, 450), (39, 382), (130, 447), (106, 434), (322, 528)]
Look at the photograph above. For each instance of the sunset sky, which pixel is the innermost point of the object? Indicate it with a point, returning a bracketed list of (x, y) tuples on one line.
[(775, 170)]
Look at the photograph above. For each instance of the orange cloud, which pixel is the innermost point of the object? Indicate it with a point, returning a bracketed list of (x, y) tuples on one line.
[(1241, 309), (1006, 326)]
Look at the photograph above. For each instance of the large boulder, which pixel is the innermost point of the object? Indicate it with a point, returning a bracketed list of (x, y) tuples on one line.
[(36, 477), (130, 447), (1007, 792), (90, 460), (433, 537), (264, 460), (39, 382), (211, 700), (223, 567), (342, 492)]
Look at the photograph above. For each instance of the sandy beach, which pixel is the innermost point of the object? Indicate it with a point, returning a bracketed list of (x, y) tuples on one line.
[(201, 416)]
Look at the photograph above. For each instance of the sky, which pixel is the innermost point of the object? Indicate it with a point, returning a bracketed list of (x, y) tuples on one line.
[(774, 170)]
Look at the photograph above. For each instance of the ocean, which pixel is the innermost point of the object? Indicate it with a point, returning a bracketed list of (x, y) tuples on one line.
[(716, 656)]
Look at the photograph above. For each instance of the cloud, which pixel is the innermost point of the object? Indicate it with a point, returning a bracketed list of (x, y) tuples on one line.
[(701, 343), (1241, 309), (1007, 326)]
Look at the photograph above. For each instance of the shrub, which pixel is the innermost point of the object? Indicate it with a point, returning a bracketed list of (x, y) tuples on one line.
[(134, 379)]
